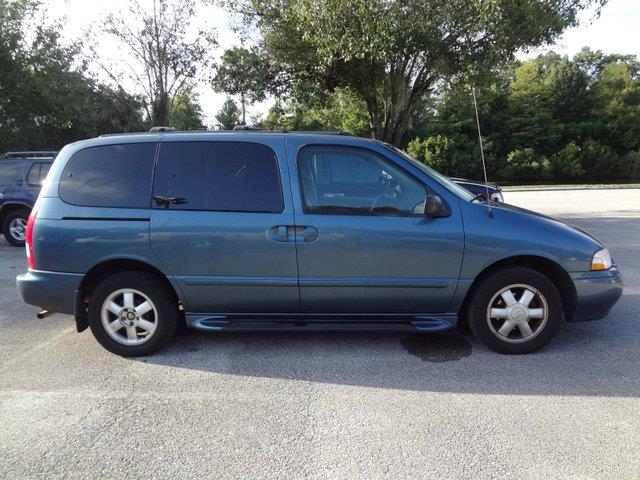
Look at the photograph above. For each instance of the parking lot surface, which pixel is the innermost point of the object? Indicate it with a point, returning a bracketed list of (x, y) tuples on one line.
[(332, 405)]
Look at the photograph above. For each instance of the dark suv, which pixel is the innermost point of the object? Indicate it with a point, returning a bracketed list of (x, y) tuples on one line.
[(21, 177)]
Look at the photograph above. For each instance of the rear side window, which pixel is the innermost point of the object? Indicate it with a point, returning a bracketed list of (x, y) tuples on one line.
[(9, 172), (38, 173), (219, 176), (109, 176)]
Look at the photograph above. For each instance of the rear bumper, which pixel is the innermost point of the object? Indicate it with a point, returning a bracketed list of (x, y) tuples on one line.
[(596, 293), (49, 290)]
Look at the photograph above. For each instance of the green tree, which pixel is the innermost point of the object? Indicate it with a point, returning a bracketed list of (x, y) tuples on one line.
[(244, 72), (229, 115), (165, 58), (526, 165), (46, 97), (186, 112), (391, 54)]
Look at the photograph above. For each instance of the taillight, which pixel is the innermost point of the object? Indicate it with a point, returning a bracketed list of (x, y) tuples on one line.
[(28, 240)]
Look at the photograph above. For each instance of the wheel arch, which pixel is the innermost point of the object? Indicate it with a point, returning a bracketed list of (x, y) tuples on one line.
[(105, 269), (549, 268), (9, 207)]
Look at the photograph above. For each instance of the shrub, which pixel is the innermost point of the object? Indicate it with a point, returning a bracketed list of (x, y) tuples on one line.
[(526, 165), (566, 164), (632, 164), (601, 162)]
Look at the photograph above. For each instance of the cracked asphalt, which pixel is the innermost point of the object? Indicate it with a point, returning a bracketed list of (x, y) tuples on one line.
[(331, 405)]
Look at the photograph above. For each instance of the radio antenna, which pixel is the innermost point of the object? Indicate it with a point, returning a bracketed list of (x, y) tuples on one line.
[(484, 166)]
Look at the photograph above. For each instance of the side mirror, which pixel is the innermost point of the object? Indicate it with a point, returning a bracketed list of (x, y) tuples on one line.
[(433, 206)]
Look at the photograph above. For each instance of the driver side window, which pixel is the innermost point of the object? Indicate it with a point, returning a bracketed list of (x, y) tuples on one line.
[(353, 181)]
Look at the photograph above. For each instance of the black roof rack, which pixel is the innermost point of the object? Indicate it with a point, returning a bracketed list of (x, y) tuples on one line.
[(15, 155), (237, 128)]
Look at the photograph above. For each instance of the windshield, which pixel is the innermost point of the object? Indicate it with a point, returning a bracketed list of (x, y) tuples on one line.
[(437, 176)]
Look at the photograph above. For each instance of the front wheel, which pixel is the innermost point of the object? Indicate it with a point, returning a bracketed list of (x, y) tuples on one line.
[(516, 310), (133, 314), (14, 227)]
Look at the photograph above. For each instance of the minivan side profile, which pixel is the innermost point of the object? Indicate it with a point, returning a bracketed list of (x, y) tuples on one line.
[(134, 234)]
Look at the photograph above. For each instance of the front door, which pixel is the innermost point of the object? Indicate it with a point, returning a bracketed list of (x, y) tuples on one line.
[(363, 244), (219, 220)]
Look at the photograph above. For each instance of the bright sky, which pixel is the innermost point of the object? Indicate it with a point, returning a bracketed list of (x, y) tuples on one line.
[(615, 31)]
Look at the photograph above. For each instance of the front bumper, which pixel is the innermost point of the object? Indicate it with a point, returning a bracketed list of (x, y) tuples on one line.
[(596, 293), (52, 291)]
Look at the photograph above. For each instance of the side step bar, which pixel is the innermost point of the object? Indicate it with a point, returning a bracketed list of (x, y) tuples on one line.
[(214, 323)]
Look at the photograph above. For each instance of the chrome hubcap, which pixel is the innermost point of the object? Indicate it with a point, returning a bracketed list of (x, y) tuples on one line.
[(129, 316), (18, 228), (517, 313)]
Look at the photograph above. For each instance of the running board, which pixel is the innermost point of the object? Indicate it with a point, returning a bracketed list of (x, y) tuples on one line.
[(421, 323)]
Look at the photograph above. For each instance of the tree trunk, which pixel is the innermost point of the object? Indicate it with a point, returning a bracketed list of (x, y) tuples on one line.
[(161, 111), (244, 108)]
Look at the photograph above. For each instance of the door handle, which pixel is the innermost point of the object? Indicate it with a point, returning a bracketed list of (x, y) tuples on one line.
[(166, 201), (306, 234)]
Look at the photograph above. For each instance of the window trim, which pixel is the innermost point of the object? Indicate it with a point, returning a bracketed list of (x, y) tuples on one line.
[(360, 149), (153, 167), (278, 173)]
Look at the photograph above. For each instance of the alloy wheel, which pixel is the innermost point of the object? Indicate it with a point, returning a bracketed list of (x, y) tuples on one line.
[(517, 313), (18, 229), (129, 317)]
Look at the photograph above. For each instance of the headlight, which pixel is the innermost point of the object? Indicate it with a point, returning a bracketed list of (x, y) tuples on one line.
[(497, 197), (601, 260)]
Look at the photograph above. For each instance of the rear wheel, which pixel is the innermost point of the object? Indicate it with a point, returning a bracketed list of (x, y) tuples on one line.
[(14, 227), (515, 310), (133, 314)]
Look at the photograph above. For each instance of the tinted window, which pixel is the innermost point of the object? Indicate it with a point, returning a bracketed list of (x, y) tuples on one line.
[(9, 172), (109, 176), (33, 178), (354, 181), (44, 171), (221, 176)]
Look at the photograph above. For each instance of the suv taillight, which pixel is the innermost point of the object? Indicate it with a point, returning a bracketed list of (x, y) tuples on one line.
[(28, 239)]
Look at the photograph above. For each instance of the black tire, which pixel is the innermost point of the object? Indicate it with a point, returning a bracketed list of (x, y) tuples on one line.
[(6, 225), (162, 297), (487, 330)]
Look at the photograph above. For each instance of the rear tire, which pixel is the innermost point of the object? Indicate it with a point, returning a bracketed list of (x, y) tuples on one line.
[(515, 310), (14, 227), (133, 314)]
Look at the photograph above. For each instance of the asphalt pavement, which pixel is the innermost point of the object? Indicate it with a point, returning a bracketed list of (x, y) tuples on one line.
[(332, 405)]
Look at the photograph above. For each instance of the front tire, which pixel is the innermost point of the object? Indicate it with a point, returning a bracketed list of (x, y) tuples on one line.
[(515, 310), (133, 314), (14, 227)]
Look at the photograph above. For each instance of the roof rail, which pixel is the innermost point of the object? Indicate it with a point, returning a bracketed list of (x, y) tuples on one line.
[(160, 129), (31, 154), (247, 128)]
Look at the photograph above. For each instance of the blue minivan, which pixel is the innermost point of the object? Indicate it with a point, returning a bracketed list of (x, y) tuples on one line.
[(135, 234)]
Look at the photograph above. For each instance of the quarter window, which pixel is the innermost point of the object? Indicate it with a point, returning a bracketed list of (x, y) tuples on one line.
[(109, 176), (219, 176), (345, 180), (37, 173)]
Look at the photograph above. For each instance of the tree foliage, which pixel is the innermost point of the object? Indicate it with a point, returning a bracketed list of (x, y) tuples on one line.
[(565, 119), (186, 112), (165, 56), (391, 54), (46, 97), (229, 115), (246, 73)]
